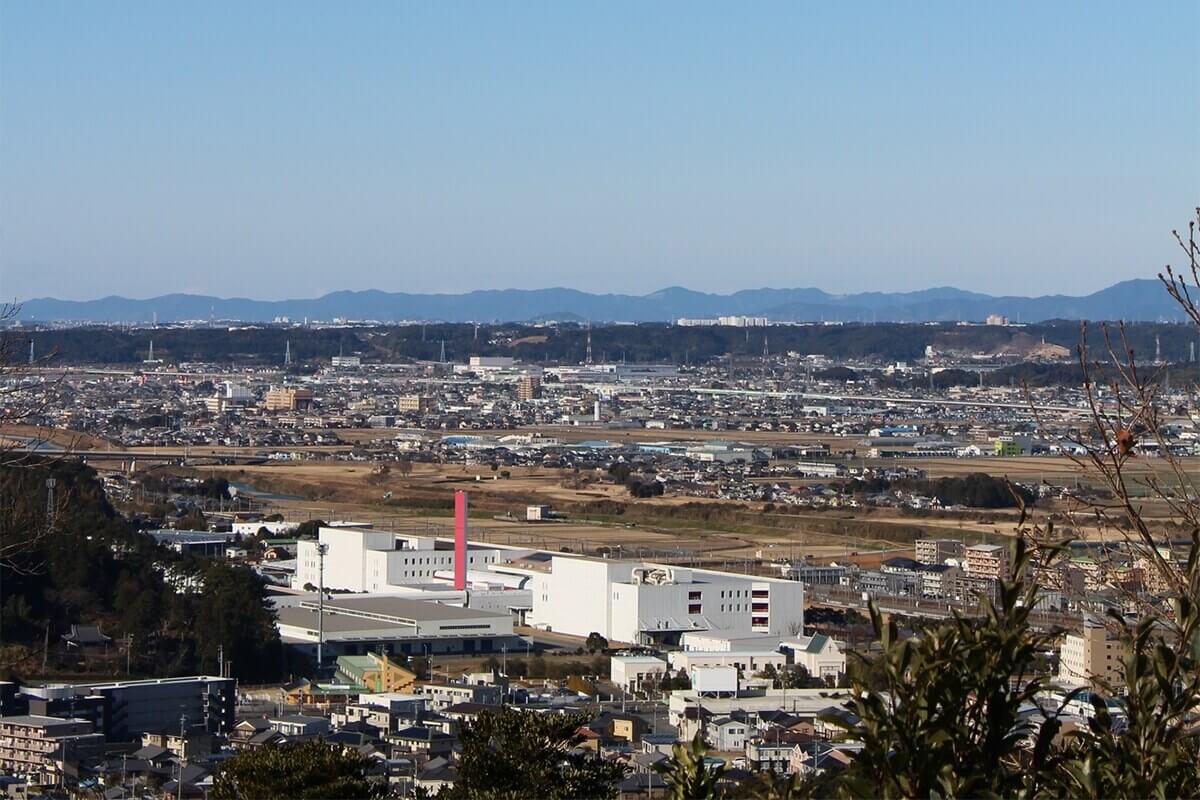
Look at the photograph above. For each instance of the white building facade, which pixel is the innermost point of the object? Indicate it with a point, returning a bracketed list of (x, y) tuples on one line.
[(627, 601), (369, 560)]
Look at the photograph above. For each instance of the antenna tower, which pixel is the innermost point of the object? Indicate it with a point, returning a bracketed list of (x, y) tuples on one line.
[(287, 353), (50, 504), (589, 345), (442, 358)]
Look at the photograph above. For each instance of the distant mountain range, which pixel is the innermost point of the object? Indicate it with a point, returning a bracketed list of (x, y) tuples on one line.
[(1129, 300)]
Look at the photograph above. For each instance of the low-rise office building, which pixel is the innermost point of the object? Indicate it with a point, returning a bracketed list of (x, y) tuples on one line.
[(636, 672), (746, 662)]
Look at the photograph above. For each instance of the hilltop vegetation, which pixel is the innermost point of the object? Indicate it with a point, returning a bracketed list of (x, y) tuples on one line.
[(85, 564), (567, 343)]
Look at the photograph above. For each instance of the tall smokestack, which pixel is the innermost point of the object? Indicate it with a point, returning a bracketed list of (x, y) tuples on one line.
[(460, 540)]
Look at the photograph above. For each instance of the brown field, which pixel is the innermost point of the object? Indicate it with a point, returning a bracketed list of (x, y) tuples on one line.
[(659, 527), (58, 437), (601, 514), (1059, 470)]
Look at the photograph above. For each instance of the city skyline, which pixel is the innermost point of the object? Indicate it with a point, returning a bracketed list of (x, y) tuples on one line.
[(286, 150)]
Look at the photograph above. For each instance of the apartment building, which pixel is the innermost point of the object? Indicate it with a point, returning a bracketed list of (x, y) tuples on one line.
[(936, 551), (987, 561), (129, 709), (529, 387), (36, 747), (440, 696), (289, 398), (1091, 656), (419, 403)]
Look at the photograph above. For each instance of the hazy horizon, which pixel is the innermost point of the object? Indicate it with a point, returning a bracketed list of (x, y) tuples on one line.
[(287, 150), (275, 298)]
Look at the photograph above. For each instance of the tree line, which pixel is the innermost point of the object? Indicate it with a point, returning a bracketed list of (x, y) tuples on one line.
[(76, 560), (567, 343)]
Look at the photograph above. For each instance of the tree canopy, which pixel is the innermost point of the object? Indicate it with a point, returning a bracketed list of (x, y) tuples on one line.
[(311, 770), (512, 754)]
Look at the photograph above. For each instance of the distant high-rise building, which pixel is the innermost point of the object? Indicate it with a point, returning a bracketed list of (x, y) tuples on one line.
[(529, 387), (419, 403), (289, 398)]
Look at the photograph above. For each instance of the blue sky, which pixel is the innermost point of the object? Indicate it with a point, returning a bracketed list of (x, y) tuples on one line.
[(288, 149)]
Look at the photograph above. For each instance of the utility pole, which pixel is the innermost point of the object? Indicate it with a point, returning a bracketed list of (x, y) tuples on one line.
[(182, 751), (322, 549)]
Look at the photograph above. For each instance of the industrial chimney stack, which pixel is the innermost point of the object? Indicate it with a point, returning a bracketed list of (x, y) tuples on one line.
[(460, 540)]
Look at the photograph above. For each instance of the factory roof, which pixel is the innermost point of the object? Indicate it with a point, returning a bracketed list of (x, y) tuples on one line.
[(399, 609)]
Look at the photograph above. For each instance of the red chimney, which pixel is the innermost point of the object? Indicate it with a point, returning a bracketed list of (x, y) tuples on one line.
[(460, 540)]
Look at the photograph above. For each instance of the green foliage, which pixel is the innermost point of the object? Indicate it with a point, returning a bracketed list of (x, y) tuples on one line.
[(1152, 749), (512, 754), (688, 775), (309, 770), (976, 490), (947, 720), (232, 613), (93, 568), (596, 643)]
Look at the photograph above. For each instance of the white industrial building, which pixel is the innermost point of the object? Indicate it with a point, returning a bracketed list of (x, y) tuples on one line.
[(368, 560), (360, 624), (633, 672), (630, 601), (746, 662), (273, 527), (713, 642)]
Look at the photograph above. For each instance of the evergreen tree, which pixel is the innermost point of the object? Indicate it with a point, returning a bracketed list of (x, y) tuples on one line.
[(511, 754), (311, 770)]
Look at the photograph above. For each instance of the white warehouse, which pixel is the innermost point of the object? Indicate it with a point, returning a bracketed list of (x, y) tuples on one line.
[(363, 559), (637, 602)]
